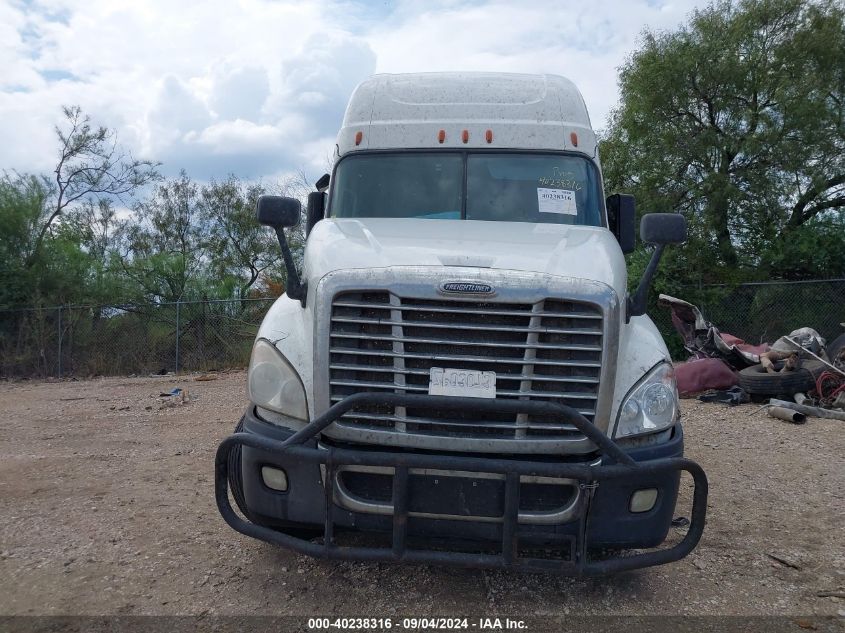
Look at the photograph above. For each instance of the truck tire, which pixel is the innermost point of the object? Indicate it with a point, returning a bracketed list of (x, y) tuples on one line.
[(292, 528), (236, 482), (755, 380), (836, 347)]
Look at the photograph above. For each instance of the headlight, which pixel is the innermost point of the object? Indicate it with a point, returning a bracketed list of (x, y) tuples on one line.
[(274, 384), (652, 405)]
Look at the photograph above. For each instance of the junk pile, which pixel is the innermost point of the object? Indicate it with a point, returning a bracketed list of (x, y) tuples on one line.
[(801, 374)]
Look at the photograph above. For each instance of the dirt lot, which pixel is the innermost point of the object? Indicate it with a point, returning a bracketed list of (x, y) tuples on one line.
[(106, 507)]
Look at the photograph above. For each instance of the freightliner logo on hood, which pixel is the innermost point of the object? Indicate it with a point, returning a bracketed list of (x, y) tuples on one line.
[(466, 288)]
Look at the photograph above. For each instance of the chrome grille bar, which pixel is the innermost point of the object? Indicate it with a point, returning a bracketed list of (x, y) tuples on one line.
[(361, 385), (474, 359), (446, 341), (378, 417), (446, 310), (423, 372), (457, 326)]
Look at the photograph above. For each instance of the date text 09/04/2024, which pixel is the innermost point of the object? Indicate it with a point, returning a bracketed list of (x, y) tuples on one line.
[(412, 624)]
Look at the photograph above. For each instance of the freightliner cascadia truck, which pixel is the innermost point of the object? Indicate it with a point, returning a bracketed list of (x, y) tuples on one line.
[(457, 372)]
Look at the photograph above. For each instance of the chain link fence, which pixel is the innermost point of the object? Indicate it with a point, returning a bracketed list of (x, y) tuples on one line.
[(762, 312), (218, 334), (129, 339)]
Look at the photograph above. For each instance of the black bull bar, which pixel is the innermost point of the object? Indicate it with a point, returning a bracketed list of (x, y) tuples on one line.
[(587, 475)]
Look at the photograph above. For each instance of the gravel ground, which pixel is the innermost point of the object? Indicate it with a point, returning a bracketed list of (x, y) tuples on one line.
[(106, 507)]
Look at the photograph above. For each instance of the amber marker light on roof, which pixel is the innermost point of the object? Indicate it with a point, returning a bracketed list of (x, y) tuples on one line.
[(465, 136), (441, 135), (358, 137), (489, 136), (574, 138)]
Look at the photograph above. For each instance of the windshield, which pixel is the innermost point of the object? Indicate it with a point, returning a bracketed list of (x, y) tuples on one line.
[(504, 187)]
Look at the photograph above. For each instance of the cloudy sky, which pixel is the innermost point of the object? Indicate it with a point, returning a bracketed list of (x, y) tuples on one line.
[(258, 87)]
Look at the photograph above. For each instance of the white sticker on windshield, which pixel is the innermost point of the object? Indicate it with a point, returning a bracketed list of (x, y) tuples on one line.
[(560, 201)]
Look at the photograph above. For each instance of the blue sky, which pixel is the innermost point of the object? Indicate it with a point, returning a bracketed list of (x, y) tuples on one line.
[(258, 87)]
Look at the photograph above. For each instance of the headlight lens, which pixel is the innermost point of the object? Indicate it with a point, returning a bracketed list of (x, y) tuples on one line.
[(652, 405), (274, 384)]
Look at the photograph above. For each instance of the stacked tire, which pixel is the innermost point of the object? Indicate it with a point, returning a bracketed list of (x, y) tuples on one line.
[(835, 348), (756, 381)]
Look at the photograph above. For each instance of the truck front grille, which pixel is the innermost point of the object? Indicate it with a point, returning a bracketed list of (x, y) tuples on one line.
[(549, 350)]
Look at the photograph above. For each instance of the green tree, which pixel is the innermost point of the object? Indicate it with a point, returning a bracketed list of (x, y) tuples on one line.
[(165, 243), (241, 252), (94, 225), (48, 254), (188, 241), (737, 120), (91, 167), (60, 272), (22, 202)]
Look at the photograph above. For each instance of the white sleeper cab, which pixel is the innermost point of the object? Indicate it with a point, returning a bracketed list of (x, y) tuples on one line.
[(458, 373)]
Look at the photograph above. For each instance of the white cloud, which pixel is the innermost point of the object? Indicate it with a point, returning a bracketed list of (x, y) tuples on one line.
[(238, 137), (176, 112), (258, 87), (318, 79), (240, 92), (585, 42), (13, 27)]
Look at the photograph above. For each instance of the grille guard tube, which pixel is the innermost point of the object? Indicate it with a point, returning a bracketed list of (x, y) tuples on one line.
[(587, 475), (456, 404)]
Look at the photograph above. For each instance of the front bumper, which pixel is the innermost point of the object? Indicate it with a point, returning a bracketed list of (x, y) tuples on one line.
[(598, 515)]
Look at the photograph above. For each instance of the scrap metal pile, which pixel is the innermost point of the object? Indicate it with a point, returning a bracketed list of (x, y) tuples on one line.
[(800, 373)]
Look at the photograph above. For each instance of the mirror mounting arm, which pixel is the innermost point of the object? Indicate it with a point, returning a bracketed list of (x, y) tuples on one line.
[(636, 304), (295, 289), (659, 229)]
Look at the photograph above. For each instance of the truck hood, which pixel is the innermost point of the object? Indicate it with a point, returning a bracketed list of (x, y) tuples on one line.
[(582, 252)]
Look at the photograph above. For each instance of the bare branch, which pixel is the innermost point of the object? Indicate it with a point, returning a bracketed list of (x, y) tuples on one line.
[(91, 166)]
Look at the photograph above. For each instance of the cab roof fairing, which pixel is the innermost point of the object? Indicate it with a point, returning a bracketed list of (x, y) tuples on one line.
[(407, 111)]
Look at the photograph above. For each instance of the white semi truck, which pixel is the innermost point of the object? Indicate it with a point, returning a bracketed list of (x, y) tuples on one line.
[(459, 371)]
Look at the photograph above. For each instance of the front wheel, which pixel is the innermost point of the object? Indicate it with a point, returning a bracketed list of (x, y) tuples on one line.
[(236, 483), (236, 476)]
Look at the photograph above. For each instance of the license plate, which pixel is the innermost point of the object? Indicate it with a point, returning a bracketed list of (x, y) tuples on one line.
[(462, 382)]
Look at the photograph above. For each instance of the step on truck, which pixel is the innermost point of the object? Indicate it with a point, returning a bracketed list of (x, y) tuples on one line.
[(458, 373)]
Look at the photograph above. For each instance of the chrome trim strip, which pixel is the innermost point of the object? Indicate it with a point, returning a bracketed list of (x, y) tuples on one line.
[(348, 501), (438, 422), (492, 424)]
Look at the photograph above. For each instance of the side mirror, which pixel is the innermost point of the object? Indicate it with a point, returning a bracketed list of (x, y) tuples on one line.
[(660, 229), (316, 210), (278, 211), (322, 183), (621, 214), (663, 228)]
